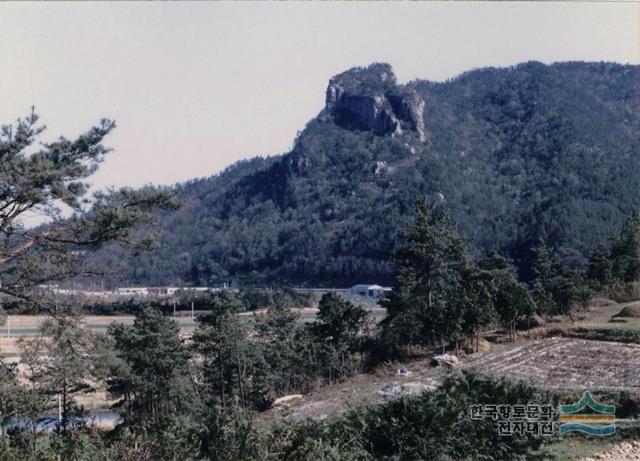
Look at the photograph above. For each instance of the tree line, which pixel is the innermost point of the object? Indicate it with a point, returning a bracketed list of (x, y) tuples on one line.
[(444, 295), (194, 399)]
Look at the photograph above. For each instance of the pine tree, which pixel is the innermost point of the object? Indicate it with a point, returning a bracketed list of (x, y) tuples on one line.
[(221, 342), (510, 298), (38, 178), (8, 392), (151, 375), (287, 357), (543, 270), (600, 268), (556, 288), (626, 251), (338, 321), (426, 306), (337, 327), (62, 360)]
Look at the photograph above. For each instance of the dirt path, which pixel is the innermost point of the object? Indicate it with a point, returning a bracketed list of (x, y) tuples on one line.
[(358, 391)]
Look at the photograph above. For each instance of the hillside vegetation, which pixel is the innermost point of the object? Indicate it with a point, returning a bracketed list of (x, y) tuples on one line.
[(517, 155)]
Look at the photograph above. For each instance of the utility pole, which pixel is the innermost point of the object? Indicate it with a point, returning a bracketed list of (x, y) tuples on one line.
[(192, 312)]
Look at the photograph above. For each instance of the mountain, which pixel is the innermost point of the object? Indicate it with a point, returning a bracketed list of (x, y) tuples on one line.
[(518, 155)]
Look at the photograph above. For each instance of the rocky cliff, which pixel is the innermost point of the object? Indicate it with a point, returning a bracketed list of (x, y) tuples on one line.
[(369, 99)]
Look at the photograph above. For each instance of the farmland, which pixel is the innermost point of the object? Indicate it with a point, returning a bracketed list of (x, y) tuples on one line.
[(567, 363), (29, 325), (18, 326), (598, 351), (554, 358)]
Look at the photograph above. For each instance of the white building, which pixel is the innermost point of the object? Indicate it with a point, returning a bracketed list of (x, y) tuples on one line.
[(161, 291), (368, 291), (133, 291)]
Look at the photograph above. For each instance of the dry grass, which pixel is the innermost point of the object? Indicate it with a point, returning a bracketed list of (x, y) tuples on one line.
[(35, 321), (601, 302), (631, 311)]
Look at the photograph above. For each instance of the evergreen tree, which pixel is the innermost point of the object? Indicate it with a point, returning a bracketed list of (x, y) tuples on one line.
[(287, 359), (339, 321), (151, 374), (626, 251), (481, 283), (426, 306), (556, 288), (512, 303), (510, 298), (8, 391), (337, 328), (33, 398), (62, 359), (221, 343), (599, 270), (38, 178)]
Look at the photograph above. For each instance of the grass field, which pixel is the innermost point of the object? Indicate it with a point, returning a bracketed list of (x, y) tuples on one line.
[(627, 331), (626, 325)]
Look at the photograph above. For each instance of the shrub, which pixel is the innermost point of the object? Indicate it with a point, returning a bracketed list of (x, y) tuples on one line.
[(433, 425), (627, 292)]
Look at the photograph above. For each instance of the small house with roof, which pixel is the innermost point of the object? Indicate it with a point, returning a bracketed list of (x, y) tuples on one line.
[(369, 290)]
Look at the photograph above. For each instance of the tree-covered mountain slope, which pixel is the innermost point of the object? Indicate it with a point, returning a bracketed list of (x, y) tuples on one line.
[(518, 155)]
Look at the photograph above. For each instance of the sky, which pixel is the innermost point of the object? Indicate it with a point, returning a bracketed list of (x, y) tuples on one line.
[(195, 86)]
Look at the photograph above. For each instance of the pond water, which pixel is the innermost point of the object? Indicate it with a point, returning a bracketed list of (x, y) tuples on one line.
[(49, 423)]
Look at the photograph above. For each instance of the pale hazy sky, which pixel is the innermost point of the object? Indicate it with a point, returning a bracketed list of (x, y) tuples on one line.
[(196, 86)]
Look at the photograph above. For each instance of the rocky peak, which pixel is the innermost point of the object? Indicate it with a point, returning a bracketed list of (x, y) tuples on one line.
[(369, 98)]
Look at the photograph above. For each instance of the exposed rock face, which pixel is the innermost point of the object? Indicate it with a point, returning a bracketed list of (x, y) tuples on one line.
[(297, 163), (366, 113), (369, 99), (380, 168), (286, 399), (409, 107)]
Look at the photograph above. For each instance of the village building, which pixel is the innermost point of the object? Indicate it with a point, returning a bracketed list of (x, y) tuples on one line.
[(368, 290)]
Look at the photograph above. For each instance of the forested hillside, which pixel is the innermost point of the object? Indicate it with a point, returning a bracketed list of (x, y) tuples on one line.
[(517, 155)]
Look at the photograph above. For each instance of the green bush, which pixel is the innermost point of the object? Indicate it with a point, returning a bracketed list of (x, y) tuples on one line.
[(433, 425)]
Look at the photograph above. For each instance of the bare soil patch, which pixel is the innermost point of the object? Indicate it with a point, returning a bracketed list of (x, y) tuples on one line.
[(363, 390), (566, 363)]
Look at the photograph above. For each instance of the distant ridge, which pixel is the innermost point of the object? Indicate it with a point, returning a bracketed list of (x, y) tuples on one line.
[(518, 155)]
